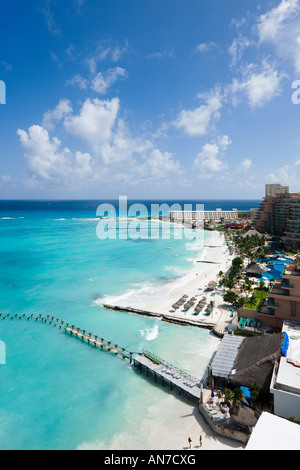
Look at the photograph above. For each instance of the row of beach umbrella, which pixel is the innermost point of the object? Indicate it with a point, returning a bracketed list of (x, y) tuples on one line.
[(180, 302), (187, 305), (200, 305)]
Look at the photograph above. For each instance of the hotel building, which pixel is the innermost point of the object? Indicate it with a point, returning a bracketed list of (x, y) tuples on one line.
[(280, 214), (273, 189), (282, 302), (194, 216), (285, 383)]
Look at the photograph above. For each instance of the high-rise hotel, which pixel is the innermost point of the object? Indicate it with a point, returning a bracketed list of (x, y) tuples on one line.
[(279, 213)]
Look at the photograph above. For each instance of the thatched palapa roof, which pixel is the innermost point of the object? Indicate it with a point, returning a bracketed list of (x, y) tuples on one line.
[(252, 233), (255, 361), (254, 268), (243, 416)]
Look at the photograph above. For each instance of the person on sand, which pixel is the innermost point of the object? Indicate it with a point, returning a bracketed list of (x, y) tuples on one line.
[(190, 442), (200, 441)]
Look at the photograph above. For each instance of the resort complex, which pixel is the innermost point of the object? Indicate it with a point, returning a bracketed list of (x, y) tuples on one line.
[(201, 215), (249, 296)]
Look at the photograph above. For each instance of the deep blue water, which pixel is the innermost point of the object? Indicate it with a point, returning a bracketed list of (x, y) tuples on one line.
[(37, 209)]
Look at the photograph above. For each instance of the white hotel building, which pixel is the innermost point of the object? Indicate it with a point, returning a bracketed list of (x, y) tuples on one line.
[(195, 216)]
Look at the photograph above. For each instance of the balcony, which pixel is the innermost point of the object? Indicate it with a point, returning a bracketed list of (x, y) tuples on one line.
[(271, 304), (291, 270), (285, 284), (277, 290), (266, 310)]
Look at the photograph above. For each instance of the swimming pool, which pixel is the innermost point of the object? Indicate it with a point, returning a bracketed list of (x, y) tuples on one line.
[(276, 269)]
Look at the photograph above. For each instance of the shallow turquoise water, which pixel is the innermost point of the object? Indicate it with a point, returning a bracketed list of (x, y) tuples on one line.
[(57, 393)]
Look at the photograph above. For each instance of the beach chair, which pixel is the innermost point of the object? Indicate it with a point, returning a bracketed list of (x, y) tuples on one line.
[(257, 323)]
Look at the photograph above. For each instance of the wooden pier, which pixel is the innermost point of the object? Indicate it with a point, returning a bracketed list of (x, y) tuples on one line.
[(159, 368), (168, 374), (94, 341), (86, 337)]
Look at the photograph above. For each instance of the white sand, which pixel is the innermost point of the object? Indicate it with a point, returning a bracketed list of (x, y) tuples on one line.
[(184, 420), (205, 268)]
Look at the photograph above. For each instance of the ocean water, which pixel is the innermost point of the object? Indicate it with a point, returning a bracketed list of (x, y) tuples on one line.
[(56, 392)]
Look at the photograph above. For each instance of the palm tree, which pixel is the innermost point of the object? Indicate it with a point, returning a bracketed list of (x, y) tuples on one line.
[(262, 286), (254, 392), (238, 398), (229, 395)]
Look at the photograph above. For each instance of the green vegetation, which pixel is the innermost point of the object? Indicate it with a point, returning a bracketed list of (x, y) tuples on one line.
[(257, 298), (252, 247), (245, 333), (233, 397), (234, 273)]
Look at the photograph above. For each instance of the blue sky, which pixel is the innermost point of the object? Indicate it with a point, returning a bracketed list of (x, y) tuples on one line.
[(149, 99)]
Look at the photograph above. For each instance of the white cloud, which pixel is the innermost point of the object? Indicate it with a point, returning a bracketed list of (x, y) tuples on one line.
[(271, 23), (196, 122), (78, 81), (161, 54), (105, 133), (160, 164), (106, 51), (283, 175), (280, 27), (258, 85), (48, 161), (95, 122), (51, 117), (154, 167), (224, 142), (49, 18), (122, 147), (205, 47), (114, 152), (6, 178), (288, 174), (245, 165), (209, 159), (102, 82), (237, 48)]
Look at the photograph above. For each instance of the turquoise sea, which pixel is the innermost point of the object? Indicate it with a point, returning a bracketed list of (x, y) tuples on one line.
[(57, 393)]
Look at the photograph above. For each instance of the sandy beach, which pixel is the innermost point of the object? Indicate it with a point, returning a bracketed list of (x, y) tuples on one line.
[(184, 420), (213, 258)]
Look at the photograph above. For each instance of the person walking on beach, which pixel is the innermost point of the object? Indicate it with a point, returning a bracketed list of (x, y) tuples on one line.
[(190, 442), (200, 441)]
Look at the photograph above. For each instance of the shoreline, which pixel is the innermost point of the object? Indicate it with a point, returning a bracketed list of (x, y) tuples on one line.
[(157, 301), (206, 267)]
